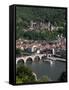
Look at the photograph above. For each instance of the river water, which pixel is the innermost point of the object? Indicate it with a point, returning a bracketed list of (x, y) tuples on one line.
[(52, 70)]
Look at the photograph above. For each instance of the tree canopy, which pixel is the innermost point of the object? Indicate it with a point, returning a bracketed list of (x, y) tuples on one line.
[(24, 74), (24, 15)]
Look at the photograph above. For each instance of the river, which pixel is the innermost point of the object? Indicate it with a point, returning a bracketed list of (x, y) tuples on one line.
[(52, 70)]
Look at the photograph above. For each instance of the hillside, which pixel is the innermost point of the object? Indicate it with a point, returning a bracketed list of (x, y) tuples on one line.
[(24, 15)]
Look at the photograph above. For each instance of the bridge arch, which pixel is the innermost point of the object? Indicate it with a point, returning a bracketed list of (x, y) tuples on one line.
[(36, 59), (29, 60), (49, 55), (44, 57), (20, 61)]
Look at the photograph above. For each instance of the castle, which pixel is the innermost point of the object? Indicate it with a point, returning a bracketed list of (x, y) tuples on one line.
[(43, 25)]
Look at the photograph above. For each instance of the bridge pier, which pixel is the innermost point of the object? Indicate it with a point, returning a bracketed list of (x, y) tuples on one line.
[(24, 61)]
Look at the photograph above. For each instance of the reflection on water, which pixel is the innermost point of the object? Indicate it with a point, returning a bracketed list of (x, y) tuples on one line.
[(52, 69)]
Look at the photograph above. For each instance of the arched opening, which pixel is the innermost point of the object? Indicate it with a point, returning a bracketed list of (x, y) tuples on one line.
[(37, 59), (29, 60), (49, 55), (43, 58), (20, 62)]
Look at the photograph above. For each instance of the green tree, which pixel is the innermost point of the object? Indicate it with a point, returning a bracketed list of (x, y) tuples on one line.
[(24, 75)]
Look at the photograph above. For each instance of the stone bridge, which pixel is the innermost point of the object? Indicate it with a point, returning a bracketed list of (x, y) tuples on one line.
[(32, 57)]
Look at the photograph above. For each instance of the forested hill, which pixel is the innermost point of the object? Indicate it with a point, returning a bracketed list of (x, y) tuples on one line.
[(34, 13), (25, 14)]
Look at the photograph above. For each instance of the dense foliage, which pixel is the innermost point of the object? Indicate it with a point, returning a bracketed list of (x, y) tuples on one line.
[(25, 14), (44, 35), (34, 13), (24, 75)]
